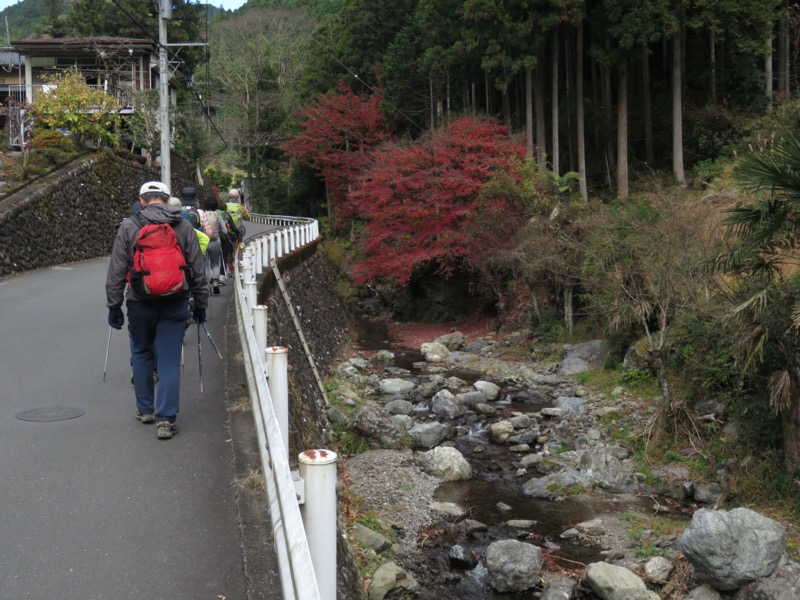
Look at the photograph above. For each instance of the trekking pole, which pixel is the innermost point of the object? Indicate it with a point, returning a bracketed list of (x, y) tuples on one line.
[(212, 341), (108, 345), (200, 357)]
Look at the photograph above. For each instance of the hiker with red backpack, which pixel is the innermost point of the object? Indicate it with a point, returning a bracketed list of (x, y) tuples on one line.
[(155, 265)]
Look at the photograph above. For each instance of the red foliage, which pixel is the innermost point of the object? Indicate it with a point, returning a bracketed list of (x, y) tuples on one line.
[(419, 200), (338, 135)]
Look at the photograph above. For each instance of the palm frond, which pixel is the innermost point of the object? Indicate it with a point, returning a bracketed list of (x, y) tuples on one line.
[(780, 391), (755, 304), (776, 169)]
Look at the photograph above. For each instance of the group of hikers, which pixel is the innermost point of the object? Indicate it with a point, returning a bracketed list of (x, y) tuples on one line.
[(168, 256)]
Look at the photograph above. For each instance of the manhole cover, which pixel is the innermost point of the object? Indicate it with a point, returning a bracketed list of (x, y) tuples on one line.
[(50, 413)]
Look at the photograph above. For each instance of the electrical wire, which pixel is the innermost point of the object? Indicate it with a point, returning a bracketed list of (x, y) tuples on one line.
[(174, 57)]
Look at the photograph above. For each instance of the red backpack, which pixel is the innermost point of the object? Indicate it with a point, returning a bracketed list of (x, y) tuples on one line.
[(159, 267)]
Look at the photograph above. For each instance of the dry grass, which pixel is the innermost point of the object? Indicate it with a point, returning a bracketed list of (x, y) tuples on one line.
[(241, 405), (254, 480)]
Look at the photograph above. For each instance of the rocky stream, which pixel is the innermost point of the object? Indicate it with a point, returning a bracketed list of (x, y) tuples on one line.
[(494, 476)]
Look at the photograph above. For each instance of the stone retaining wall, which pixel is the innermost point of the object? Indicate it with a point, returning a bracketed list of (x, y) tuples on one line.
[(310, 279), (71, 214)]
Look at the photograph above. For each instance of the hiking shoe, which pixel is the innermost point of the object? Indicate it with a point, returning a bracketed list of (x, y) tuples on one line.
[(147, 418), (165, 430), (215, 290), (222, 280)]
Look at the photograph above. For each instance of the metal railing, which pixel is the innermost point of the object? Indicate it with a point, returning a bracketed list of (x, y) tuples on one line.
[(307, 569), (122, 91)]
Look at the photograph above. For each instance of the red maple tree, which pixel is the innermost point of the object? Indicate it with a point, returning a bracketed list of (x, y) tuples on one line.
[(337, 137), (423, 201)]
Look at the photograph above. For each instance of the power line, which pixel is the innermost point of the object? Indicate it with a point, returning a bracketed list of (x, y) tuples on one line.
[(174, 57)]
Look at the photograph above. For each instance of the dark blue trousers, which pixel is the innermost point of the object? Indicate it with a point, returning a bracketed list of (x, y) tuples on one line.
[(157, 330)]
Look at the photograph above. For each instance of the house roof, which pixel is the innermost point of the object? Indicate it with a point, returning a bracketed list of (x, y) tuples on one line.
[(81, 45)]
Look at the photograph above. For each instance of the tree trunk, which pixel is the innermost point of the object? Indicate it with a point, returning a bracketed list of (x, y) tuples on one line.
[(784, 56), (569, 317), (663, 382), (713, 50), (433, 103), (608, 129), (488, 108), (791, 436), (447, 76), (556, 167), (474, 99), (677, 110), (506, 107), (529, 113), (569, 68), (647, 107), (622, 131), (768, 74), (580, 124), (608, 117), (541, 134)]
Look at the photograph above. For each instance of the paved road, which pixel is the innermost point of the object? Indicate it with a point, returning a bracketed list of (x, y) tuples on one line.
[(95, 507)]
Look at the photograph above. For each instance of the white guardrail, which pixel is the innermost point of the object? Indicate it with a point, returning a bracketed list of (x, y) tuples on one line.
[(302, 504)]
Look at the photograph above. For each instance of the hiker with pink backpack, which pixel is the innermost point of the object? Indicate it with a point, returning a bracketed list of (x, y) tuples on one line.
[(156, 263)]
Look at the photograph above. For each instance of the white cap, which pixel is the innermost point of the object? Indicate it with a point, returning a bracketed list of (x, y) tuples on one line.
[(234, 193), (154, 186)]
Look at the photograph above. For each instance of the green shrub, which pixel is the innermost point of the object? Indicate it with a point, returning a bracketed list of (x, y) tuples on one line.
[(547, 325), (348, 441), (634, 377), (50, 139)]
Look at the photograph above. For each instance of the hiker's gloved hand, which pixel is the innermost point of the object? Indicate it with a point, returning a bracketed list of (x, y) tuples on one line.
[(199, 315), (115, 317)]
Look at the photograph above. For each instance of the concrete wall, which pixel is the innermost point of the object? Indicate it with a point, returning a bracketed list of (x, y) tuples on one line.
[(71, 214)]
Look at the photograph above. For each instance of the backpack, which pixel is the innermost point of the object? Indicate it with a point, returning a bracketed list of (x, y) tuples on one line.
[(230, 226), (234, 209), (202, 222), (158, 268)]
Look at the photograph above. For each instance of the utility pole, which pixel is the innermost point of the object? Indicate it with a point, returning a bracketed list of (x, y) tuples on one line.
[(165, 14)]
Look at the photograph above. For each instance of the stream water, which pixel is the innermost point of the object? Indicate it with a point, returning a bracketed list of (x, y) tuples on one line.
[(494, 484)]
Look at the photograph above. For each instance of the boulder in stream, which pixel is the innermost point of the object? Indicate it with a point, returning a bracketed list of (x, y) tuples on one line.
[(513, 566), (729, 549), (445, 462)]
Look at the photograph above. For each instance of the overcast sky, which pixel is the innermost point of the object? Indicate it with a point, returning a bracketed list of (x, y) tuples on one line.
[(227, 4)]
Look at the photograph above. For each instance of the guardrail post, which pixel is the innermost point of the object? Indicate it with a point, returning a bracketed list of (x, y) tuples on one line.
[(260, 325), (278, 384), (271, 253), (257, 257), (245, 271), (264, 242), (318, 470), (251, 295)]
